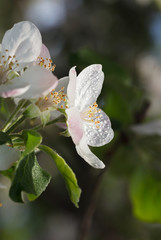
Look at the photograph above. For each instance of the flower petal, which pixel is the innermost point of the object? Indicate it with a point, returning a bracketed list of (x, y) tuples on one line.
[(98, 134), (44, 52), (8, 155), (24, 41), (74, 123), (40, 80), (88, 86), (13, 89), (62, 83), (72, 86), (84, 151)]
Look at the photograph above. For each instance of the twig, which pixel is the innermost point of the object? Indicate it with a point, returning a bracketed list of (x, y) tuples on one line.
[(88, 217)]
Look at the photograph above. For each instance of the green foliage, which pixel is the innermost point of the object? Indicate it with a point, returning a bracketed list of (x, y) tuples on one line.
[(4, 112), (67, 174), (29, 177), (5, 138), (8, 173), (145, 193), (32, 140), (32, 111)]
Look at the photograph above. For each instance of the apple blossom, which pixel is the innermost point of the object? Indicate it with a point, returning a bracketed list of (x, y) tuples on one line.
[(87, 124), (51, 106), (24, 73)]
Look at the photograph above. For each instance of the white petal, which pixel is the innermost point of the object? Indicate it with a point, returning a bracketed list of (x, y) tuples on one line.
[(74, 123), (40, 80), (23, 40), (62, 82), (8, 156), (71, 89), (84, 151), (150, 128), (13, 89), (88, 86), (44, 52), (101, 133)]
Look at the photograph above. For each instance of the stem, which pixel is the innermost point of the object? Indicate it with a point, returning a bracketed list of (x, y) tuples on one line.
[(88, 217), (15, 112), (16, 124), (49, 123)]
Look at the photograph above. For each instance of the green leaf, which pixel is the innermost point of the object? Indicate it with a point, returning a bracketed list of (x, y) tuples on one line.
[(145, 193), (5, 138), (8, 173), (4, 112), (29, 177), (32, 140), (65, 133), (67, 173)]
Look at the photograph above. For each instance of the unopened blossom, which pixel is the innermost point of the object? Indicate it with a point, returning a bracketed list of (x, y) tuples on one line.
[(87, 124), (24, 73)]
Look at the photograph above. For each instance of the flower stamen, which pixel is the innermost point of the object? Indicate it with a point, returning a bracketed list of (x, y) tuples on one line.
[(91, 114), (46, 63), (52, 100)]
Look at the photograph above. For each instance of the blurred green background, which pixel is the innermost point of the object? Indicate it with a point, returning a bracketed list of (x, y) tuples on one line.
[(122, 202)]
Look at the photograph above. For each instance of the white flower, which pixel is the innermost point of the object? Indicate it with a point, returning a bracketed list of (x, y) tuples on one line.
[(8, 156), (87, 124), (23, 73)]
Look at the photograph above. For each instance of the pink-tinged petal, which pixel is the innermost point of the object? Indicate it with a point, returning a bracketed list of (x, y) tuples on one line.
[(74, 123), (84, 151), (13, 89), (8, 155), (44, 52), (40, 80), (88, 86), (100, 133), (24, 41), (72, 86)]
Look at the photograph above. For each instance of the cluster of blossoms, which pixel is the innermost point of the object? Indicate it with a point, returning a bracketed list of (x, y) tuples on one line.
[(26, 74)]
